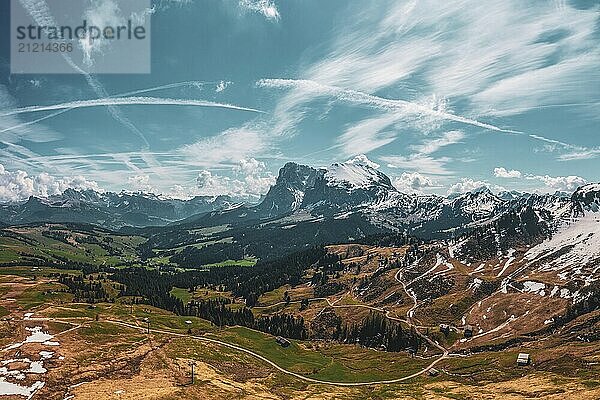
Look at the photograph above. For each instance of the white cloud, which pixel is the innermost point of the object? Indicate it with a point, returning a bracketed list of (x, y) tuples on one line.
[(545, 86), (498, 58), (561, 183), (250, 180), (484, 52), (471, 185), (249, 166), (265, 7), (14, 130), (206, 181), (583, 154), (100, 13), (421, 159), (140, 183), (432, 145), (418, 162), (413, 182), (255, 177), (18, 185), (501, 172), (229, 147), (367, 135)]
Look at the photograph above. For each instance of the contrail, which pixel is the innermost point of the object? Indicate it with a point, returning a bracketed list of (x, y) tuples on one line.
[(356, 97), (124, 101), (35, 121), (139, 91), (40, 12), (557, 142), (165, 86)]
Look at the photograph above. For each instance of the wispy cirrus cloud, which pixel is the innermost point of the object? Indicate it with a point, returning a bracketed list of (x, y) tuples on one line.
[(369, 134), (422, 160), (421, 163), (312, 89), (496, 60), (482, 52), (291, 110), (431, 145), (226, 148), (581, 154)]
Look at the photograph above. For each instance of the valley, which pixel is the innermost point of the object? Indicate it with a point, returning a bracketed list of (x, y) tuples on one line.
[(317, 300)]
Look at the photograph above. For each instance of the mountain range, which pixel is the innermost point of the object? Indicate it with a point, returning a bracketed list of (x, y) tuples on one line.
[(341, 203), (358, 190), (351, 190), (107, 209)]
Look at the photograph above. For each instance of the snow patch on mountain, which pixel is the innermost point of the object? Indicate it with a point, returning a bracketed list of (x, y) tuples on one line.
[(358, 173), (573, 247)]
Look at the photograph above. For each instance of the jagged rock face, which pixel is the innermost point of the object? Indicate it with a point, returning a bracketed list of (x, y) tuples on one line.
[(288, 192), (344, 186), (586, 199), (340, 187)]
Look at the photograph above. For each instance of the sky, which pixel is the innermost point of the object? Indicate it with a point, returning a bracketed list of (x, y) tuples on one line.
[(444, 97)]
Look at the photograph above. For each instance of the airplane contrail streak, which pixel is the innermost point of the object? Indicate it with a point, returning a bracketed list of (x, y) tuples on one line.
[(357, 97), (123, 101), (131, 93)]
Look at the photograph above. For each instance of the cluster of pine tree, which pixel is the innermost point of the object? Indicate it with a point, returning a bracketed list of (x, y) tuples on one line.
[(153, 286), (219, 313), (285, 325), (377, 331), (193, 257), (56, 235), (250, 283), (90, 292)]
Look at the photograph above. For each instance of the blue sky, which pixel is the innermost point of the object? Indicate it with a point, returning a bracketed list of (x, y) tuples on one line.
[(443, 97)]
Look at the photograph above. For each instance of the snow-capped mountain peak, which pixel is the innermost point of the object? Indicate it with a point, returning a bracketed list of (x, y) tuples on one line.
[(357, 173)]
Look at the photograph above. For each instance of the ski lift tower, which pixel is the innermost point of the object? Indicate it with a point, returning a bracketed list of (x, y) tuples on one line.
[(192, 363)]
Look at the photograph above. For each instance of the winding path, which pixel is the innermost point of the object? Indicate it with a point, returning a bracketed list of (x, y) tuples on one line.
[(274, 365), (445, 353)]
